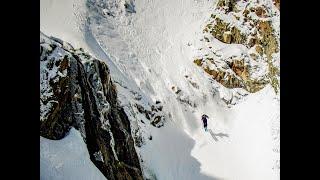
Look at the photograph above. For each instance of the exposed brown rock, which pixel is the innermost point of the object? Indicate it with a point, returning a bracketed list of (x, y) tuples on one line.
[(262, 38), (277, 3), (228, 5), (227, 37), (268, 41), (86, 98), (240, 69), (253, 41), (260, 12), (241, 79), (198, 62), (259, 49)]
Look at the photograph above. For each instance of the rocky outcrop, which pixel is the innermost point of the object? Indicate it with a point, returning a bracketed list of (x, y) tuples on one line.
[(153, 113), (77, 91), (252, 24), (228, 5), (224, 32), (277, 3), (238, 77), (263, 37)]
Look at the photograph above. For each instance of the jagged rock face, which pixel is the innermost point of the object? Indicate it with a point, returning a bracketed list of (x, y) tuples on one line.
[(56, 115), (239, 77), (224, 32), (154, 113), (250, 23), (76, 90)]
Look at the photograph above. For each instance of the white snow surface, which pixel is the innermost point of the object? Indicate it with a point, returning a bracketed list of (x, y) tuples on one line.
[(240, 149), (67, 159), (148, 53), (64, 19)]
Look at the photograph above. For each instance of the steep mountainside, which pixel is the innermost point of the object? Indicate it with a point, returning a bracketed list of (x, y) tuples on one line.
[(76, 91), (162, 64)]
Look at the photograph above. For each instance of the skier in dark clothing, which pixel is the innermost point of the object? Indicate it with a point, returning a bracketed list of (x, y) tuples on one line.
[(204, 119)]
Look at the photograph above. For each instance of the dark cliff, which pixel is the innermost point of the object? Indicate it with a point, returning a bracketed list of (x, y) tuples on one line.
[(77, 91)]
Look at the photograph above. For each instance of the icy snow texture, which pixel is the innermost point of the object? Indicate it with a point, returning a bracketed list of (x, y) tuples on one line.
[(67, 159)]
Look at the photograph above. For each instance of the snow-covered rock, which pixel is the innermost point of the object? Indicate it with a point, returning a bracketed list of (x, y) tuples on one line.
[(76, 91), (246, 56)]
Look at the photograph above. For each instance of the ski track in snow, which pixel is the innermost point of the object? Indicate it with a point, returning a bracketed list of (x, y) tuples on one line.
[(147, 51)]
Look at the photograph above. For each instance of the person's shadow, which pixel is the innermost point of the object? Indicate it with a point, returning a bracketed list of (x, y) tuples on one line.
[(215, 135)]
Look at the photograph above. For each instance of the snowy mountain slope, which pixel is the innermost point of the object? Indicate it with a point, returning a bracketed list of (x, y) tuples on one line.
[(150, 52), (67, 159), (246, 152), (64, 20)]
